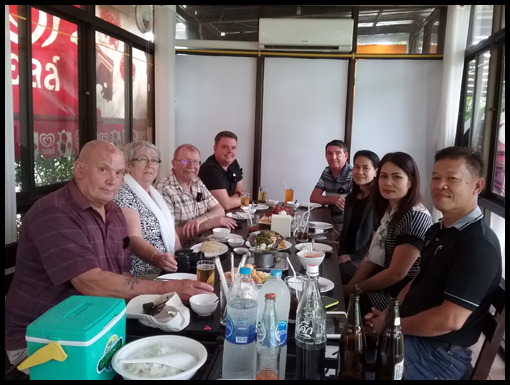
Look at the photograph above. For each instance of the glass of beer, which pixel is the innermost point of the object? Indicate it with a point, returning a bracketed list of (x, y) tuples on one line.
[(289, 194), (245, 199), (205, 268), (262, 195)]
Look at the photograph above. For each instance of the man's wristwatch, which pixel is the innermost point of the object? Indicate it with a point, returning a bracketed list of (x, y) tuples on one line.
[(357, 289)]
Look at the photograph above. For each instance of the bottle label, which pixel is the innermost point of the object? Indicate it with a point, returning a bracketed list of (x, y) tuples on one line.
[(305, 329), (283, 327), (399, 370), (239, 335)]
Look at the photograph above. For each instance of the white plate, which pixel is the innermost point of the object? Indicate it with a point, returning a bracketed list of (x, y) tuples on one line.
[(288, 245), (241, 250), (317, 246), (170, 276), (320, 225), (262, 207), (238, 215), (325, 285), (230, 236), (310, 204), (223, 249)]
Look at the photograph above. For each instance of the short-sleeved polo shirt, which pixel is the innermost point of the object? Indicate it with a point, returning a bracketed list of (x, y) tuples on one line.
[(216, 177), (336, 186)]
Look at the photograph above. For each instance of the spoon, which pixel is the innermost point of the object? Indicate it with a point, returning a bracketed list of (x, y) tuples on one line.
[(182, 361)]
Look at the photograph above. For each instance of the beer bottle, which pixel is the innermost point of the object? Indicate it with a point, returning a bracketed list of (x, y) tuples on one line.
[(390, 349), (352, 354)]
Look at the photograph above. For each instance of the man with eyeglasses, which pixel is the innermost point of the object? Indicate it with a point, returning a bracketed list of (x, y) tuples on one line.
[(194, 208), (221, 172)]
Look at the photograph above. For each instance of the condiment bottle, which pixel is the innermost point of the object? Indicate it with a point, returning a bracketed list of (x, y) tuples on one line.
[(268, 342)]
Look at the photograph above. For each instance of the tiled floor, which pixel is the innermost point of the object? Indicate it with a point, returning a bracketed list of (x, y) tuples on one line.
[(498, 367)]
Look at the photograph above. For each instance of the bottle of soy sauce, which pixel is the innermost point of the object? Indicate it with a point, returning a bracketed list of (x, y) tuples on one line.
[(352, 354), (390, 349)]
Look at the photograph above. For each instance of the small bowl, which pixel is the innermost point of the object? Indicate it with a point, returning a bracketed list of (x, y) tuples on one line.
[(204, 304), (184, 344), (221, 232), (271, 202), (235, 242), (241, 250), (292, 205), (307, 257), (249, 209)]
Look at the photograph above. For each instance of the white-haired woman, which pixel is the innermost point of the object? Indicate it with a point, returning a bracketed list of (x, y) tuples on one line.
[(153, 239)]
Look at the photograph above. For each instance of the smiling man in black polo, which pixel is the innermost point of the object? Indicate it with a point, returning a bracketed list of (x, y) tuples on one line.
[(221, 172), (442, 310)]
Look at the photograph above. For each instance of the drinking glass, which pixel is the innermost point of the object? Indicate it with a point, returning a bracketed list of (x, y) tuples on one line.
[(302, 228), (289, 194), (245, 199), (262, 196), (205, 269), (253, 223), (295, 286), (223, 303)]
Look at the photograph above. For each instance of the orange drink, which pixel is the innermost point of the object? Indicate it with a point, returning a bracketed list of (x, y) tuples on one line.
[(289, 194), (245, 199)]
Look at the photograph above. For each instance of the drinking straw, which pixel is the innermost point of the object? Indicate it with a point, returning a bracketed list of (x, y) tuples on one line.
[(223, 280), (243, 261), (286, 188), (232, 270), (293, 272)]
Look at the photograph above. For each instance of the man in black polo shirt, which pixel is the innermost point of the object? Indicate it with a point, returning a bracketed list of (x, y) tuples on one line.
[(443, 307), (221, 172)]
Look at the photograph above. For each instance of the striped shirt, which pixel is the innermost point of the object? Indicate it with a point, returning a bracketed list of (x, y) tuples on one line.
[(61, 237), (411, 229), (183, 203), (336, 186)]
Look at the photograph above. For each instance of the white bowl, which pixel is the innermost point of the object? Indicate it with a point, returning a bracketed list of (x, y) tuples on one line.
[(241, 250), (204, 304), (271, 202), (305, 257), (235, 242), (249, 209), (184, 344), (292, 205), (221, 232)]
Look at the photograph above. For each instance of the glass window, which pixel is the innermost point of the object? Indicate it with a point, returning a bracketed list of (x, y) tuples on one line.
[(499, 172), (478, 121), (137, 19), (480, 26), (142, 128), (398, 30), (468, 101), (111, 61)]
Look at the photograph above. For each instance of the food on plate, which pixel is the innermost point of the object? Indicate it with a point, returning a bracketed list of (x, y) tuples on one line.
[(153, 370), (275, 210), (282, 245), (259, 277), (210, 247), (265, 239)]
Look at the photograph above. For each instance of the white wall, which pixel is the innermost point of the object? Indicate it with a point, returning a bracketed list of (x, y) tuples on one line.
[(215, 94), (395, 109), (303, 109)]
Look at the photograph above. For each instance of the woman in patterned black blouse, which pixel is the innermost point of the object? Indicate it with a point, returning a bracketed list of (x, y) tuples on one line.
[(393, 257), (153, 239)]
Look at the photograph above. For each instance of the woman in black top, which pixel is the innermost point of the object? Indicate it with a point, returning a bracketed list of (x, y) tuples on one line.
[(359, 219)]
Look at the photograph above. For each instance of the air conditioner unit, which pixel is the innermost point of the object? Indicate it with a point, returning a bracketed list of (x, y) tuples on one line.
[(306, 34)]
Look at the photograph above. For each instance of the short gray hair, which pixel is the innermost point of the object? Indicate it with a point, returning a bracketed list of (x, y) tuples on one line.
[(132, 148)]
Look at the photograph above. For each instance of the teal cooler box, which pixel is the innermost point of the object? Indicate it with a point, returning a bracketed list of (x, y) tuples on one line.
[(88, 329)]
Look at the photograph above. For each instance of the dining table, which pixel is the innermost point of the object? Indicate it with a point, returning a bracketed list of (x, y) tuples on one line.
[(209, 331)]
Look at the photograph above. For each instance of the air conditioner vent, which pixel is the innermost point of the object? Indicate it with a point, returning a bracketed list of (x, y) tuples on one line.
[(301, 48)]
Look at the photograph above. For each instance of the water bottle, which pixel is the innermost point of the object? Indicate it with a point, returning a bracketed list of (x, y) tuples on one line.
[(268, 342), (275, 284), (353, 346), (310, 332), (390, 349), (239, 351)]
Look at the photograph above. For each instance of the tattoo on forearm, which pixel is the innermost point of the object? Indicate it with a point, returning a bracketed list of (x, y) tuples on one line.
[(132, 282)]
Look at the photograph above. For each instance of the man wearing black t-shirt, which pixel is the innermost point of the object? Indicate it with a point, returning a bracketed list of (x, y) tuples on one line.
[(221, 172), (443, 308)]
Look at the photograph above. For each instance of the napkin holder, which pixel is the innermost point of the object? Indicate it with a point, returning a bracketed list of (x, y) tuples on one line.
[(281, 224)]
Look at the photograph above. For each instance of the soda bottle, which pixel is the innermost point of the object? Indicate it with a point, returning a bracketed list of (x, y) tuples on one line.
[(276, 285), (352, 354), (310, 332), (239, 350), (268, 342), (390, 348)]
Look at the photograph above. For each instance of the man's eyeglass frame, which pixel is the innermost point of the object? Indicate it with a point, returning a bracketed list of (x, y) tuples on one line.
[(188, 161)]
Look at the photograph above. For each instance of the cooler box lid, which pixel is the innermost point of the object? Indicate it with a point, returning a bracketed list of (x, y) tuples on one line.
[(77, 318)]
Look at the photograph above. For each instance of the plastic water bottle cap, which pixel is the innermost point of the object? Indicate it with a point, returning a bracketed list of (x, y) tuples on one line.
[(245, 270), (312, 269), (276, 273)]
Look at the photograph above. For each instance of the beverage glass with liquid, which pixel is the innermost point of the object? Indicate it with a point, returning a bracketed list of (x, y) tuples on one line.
[(302, 228), (245, 199), (205, 269), (289, 194), (262, 195), (253, 223)]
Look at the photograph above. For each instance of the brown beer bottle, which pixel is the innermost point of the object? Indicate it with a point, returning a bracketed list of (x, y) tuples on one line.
[(352, 354), (390, 349)]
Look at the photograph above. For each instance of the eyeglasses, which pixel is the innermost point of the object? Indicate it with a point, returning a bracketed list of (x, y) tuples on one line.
[(145, 160), (189, 161)]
